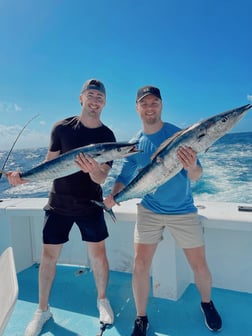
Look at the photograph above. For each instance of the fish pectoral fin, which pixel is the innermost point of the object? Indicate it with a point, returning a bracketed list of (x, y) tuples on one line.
[(167, 142), (100, 204), (109, 211), (160, 160)]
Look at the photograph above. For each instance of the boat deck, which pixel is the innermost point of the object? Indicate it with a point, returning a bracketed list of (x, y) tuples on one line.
[(73, 304)]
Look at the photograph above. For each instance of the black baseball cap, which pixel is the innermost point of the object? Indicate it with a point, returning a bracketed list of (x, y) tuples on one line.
[(146, 91), (93, 84)]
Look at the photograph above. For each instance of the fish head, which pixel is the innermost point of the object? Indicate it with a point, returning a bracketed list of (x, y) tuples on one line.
[(212, 129), (105, 152), (223, 122)]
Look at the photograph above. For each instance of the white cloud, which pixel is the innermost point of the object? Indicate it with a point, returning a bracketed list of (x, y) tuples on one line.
[(28, 139), (17, 108), (8, 107)]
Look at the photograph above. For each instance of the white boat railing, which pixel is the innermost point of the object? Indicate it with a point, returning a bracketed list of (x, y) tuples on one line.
[(228, 236), (8, 287)]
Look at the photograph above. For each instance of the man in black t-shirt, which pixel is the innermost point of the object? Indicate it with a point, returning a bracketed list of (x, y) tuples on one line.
[(70, 202)]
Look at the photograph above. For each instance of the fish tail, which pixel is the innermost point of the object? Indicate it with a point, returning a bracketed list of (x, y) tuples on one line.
[(109, 211), (112, 215)]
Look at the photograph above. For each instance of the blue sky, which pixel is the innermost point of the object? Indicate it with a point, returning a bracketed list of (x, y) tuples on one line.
[(199, 53)]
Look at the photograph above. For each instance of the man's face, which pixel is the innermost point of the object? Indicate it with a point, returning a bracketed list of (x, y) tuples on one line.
[(149, 109), (92, 101)]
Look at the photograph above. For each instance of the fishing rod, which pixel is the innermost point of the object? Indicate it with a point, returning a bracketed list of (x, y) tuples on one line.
[(8, 155)]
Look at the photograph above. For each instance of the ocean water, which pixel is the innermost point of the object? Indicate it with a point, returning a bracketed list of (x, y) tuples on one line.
[(227, 167)]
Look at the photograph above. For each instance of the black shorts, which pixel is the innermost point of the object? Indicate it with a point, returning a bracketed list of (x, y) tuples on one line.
[(56, 229)]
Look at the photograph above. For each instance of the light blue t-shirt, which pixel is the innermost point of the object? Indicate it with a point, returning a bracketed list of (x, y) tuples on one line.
[(174, 196)]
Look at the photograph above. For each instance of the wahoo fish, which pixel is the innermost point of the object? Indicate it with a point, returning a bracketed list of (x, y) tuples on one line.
[(65, 164), (165, 163)]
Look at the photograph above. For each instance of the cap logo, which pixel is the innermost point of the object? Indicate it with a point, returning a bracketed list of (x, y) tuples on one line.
[(148, 90)]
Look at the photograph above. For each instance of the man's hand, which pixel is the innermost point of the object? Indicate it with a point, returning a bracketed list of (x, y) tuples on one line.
[(188, 158), (109, 201), (14, 178), (98, 172), (87, 163)]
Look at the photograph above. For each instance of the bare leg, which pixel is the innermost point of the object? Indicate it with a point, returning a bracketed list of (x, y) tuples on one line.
[(100, 267), (47, 269), (141, 275), (202, 276)]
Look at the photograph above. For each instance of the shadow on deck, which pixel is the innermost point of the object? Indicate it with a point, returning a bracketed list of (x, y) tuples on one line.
[(73, 304)]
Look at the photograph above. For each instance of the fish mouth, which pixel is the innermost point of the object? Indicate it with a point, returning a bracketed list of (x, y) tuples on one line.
[(134, 149), (130, 148)]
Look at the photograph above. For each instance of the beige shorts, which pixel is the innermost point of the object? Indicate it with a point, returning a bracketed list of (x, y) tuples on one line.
[(185, 229)]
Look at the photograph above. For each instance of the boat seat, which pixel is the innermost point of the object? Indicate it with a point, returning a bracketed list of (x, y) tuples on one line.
[(8, 287)]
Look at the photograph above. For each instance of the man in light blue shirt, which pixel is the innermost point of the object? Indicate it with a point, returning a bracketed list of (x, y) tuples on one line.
[(171, 206), (180, 200)]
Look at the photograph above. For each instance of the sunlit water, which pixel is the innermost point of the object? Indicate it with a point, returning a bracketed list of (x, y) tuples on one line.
[(227, 171)]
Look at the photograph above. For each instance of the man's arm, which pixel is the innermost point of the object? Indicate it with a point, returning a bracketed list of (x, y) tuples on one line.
[(14, 176), (117, 187), (194, 173), (51, 155)]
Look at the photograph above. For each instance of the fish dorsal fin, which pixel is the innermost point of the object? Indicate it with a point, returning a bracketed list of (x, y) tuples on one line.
[(167, 142)]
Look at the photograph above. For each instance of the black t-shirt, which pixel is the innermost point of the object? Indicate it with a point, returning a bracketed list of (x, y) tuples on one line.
[(72, 194)]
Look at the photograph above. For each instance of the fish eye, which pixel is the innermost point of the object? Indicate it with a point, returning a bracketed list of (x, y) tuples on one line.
[(224, 119)]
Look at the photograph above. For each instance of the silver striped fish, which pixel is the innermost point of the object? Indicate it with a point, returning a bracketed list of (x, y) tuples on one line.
[(165, 163), (64, 164)]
